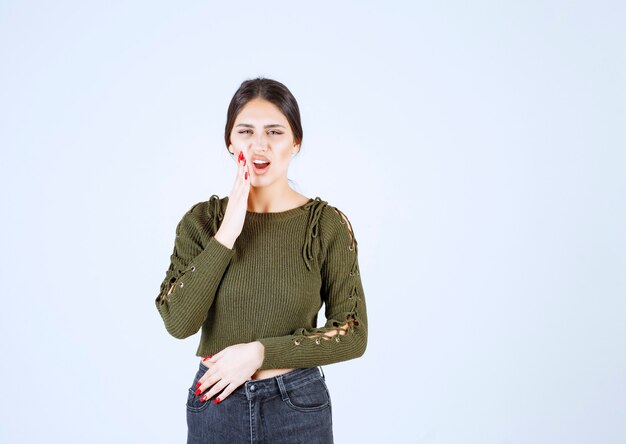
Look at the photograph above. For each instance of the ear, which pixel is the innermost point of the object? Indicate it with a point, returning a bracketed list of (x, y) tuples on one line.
[(295, 151), (229, 149)]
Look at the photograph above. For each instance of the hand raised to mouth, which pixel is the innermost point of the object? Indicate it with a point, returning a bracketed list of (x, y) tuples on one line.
[(231, 226)]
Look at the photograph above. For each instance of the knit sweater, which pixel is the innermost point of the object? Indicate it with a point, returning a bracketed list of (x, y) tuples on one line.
[(270, 286)]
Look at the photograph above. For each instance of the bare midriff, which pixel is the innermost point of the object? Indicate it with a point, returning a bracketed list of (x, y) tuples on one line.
[(270, 372), (267, 373)]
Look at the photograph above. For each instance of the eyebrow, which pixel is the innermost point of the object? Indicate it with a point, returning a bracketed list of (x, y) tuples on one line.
[(273, 125)]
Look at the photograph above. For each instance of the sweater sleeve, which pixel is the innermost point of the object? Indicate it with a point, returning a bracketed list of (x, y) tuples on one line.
[(196, 268), (344, 336)]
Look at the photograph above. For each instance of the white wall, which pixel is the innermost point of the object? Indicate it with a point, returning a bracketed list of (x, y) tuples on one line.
[(477, 148)]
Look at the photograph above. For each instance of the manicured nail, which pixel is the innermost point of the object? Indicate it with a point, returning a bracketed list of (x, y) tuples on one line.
[(198, 384), (240, 158), (208, 357), (217, 401), (198, 392), (246, 175), (204, 398)]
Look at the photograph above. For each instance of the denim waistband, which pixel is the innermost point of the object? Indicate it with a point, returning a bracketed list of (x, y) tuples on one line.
[(268, 386)]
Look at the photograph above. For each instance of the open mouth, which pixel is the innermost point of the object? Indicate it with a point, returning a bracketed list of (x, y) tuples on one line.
[(260, 167)]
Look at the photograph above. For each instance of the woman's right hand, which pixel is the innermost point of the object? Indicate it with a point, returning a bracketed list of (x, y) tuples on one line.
[(232, 224)]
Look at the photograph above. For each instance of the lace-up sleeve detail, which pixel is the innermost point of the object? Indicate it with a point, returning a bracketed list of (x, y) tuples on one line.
[(197, 265), (344, 336), (315, 207), (216, 211)]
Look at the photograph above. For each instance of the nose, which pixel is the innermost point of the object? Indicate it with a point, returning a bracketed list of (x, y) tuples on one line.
[(259, 144)]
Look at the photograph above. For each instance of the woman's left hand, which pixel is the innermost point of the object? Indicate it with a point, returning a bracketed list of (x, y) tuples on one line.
[(230, 368)]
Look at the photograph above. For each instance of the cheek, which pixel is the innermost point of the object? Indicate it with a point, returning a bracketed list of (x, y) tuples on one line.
[(286, 157), (235, 138), (283, 163)]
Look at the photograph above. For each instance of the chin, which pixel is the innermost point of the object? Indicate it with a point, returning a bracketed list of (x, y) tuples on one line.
[(258, 182)]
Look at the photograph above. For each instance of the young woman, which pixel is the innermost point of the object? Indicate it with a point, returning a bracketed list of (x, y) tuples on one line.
[(252, 270)]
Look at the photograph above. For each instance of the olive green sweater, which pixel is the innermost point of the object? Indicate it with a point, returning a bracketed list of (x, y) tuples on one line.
[(270, 286)]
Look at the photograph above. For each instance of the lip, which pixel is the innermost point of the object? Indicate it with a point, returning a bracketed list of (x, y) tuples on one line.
[(257, 157), (260, 171)]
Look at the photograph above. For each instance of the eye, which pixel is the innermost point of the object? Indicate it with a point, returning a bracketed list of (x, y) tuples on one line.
[(275, 132), (243, 131)]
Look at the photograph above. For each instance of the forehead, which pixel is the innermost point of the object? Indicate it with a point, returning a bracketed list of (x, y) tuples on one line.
[(261, 112)]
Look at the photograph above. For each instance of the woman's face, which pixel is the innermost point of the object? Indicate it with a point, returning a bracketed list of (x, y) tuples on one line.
[(262, 132)]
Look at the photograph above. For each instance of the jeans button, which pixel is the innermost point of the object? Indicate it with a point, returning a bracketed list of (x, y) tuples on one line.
[(252, 388)]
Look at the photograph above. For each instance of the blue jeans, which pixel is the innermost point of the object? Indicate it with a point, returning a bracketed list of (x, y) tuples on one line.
[(293, 407)]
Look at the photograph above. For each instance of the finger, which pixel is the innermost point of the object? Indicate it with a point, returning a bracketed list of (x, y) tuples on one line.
[(239, 174), (241, 166), (218, 387), (208, 383), (210, 373), (207, 374), (226, 392), (240, 161), (213, 359), (245, 173)]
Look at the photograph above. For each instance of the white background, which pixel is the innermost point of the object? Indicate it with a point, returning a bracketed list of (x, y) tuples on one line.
[(477, 148)]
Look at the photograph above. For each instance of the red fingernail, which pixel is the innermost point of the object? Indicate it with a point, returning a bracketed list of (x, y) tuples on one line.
[(198, 392), (240, 158), (208, 357), (246, 175), (217, 401), (198, 384), (204, 398)]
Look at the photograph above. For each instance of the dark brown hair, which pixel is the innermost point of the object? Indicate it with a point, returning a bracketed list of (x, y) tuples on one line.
[(272, 91)]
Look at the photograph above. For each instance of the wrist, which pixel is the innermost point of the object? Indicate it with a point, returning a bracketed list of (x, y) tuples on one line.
[(260, 351), (224, 239)]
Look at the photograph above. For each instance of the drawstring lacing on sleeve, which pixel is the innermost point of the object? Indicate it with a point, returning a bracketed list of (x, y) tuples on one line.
[(217, 214), (352, 316), (315, 207)]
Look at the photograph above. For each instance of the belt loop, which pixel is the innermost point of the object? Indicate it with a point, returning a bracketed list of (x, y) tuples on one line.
[(281, 387), (322, 372)]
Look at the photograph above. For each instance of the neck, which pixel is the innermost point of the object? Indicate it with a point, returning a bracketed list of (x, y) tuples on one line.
[(270, 199)]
